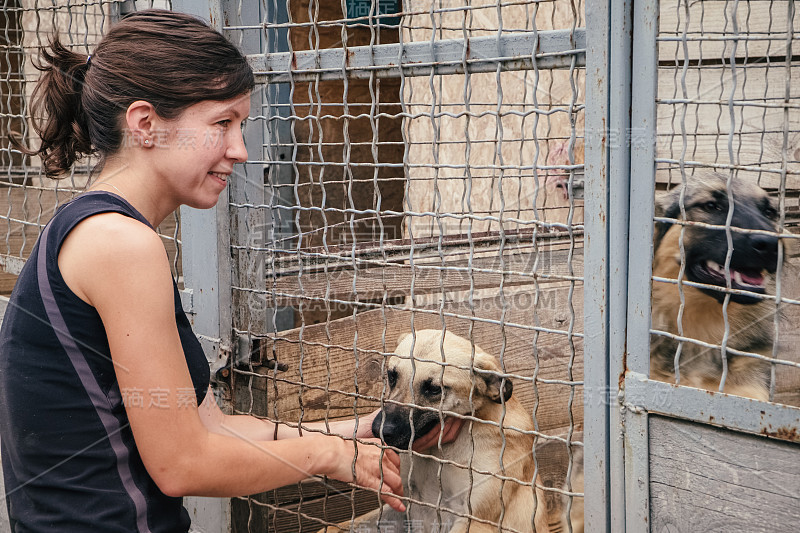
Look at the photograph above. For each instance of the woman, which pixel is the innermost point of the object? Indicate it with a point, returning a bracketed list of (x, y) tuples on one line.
[(95, 320)]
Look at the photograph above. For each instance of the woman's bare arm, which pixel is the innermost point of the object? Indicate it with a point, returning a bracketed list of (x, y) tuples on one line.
[(119, 266)]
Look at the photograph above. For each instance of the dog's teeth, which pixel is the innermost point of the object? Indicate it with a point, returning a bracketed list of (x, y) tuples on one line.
[(714, 266), (737, 277)]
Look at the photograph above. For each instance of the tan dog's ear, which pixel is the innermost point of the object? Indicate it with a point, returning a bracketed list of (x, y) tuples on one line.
[(401, 338), (667, 206), (498, 388)]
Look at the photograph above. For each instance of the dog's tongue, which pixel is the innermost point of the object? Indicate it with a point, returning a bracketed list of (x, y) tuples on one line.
[(751, 278)]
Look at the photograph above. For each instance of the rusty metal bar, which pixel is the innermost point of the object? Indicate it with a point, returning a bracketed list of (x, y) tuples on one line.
[(483, 54), (716, 408)]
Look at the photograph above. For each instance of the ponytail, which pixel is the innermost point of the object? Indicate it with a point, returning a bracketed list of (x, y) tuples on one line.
[(59, 117)]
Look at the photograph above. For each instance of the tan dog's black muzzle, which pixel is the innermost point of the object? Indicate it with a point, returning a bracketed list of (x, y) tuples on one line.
[(393, 424)]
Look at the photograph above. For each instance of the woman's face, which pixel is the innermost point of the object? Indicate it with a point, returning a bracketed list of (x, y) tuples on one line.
[(197, 151)]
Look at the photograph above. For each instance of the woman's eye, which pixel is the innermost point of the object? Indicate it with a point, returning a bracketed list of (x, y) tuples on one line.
[(224, 123)]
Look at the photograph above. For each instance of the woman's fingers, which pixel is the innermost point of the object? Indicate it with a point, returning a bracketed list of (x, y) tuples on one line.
[(380, 471), (392, 482), (364, 430), (449, 432), (452, 427)]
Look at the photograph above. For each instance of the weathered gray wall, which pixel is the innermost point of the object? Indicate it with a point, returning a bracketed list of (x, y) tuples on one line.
[(704, 478)]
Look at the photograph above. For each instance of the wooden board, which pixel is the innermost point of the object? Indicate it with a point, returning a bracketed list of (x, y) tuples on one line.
[(708, 479), (700, 130), (305, 507), (494, 132), (453, 272)]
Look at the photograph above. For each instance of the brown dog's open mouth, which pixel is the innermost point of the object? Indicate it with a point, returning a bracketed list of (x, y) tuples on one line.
[(747, 279), (750, 279)]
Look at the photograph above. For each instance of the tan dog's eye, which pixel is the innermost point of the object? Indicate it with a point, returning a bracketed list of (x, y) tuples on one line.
[(429, 389), (391, 378)]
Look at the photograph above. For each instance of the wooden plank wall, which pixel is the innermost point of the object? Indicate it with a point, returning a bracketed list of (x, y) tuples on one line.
[(705, 103), (704, 478), (516, 123)]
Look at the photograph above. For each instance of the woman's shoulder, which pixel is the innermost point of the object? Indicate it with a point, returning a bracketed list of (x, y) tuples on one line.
[(115, 233), (108, 250)]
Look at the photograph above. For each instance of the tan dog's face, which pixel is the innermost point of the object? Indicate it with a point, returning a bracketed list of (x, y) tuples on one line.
[(437, 378)]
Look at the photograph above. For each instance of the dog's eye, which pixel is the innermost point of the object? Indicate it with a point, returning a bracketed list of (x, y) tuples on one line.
[(712, 205), (391, 378), (770, 212), (430, 389)]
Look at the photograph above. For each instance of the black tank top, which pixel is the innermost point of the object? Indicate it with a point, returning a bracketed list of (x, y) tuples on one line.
[(70, 463)]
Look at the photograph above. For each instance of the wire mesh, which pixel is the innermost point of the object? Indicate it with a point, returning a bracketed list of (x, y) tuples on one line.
[(28, 199), (726, 107), (415, 183)]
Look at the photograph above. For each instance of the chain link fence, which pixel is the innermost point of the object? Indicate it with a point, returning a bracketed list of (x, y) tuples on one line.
[(423, 172), (417, 168)]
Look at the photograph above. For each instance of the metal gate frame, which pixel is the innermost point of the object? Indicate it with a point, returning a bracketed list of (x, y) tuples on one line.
[(619, 396)]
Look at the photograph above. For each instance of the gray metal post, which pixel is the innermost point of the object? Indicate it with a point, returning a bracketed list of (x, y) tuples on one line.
[(617, 220), (608, 105), (640, 238), (596, 380)]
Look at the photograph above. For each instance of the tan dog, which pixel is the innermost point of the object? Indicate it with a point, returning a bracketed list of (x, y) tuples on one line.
[(466, 477), (753, 262)]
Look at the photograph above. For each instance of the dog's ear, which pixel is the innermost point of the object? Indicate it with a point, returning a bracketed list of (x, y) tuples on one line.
[(667, 206), (402, 337), (498, 388)]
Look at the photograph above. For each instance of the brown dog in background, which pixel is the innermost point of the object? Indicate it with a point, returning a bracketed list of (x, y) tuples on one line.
[(463, 478), (753, 263)]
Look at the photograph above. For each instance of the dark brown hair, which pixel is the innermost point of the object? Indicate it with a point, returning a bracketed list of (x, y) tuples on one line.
[(171, 60)]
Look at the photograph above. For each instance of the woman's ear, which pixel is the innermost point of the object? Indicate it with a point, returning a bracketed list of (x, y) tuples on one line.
[(141, 122)]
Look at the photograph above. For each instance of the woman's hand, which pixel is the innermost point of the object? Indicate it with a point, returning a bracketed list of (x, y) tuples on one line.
[(449, 432), (376, 468), (364, 430)]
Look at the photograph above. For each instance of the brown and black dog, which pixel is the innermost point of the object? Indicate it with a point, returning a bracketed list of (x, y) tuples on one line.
[(703, 249)]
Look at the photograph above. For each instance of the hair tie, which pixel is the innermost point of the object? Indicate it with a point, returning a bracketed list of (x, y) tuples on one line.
[(88, 60)]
